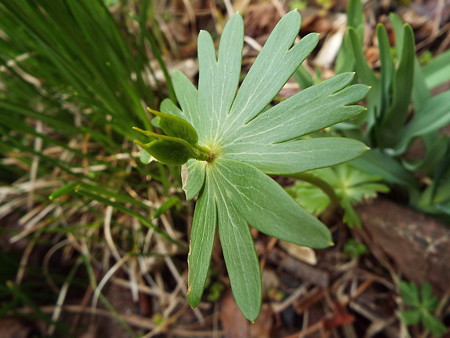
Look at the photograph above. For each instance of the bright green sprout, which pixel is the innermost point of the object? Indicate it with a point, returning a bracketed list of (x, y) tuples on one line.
[(235, 141), (421, 304)]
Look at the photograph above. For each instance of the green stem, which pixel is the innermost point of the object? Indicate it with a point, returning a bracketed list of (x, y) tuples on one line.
[(323, 185), (204, 154)]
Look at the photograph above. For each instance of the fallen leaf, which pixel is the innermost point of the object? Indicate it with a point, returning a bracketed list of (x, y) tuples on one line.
[(302, 253)]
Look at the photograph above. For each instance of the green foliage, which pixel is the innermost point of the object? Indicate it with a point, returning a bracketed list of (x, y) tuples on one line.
[(73, 76), (179, 146), (421, 305), (437, 70), (354, 248), (215, 291), (350, 185), (298, 5), (246, 141), (390, 125)]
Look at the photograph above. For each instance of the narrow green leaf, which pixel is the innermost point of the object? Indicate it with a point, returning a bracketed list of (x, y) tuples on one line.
[(296, 156), (436, 149), (64, 190), (171, 201), (99, 189), (366, 74), (378, 163), (345, 61), (274, 65), (219, 79), (187, 96), (253, 194), (398, 26), (128, 211), (387, 66), (401, 87), (434, 115), (310, 110), (355, 13), (420, 92), (240, 256), (438, 70), (433, 324), (201, 243)]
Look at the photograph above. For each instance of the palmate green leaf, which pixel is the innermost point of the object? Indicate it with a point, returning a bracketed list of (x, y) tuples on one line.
[(350, 185), (310, 197), (245, 143)]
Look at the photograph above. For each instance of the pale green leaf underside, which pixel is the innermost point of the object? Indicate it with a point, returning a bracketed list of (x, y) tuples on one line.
[(296, 156), (187, 96), (234, 191), (193, 177), (219, 77), (145, 157), (310, 110), (266, 206), (168, 107), (274, 65), (201, 243), (240, 256)]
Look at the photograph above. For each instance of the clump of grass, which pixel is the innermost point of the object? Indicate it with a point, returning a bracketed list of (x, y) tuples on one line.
[(75, 77)]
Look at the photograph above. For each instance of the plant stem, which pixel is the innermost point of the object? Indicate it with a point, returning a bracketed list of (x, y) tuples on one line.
[(205, 154), (318, 182)]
